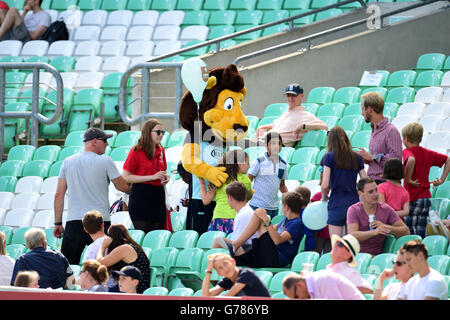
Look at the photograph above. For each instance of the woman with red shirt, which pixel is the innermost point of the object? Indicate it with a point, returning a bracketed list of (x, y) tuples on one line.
[(145, 168)]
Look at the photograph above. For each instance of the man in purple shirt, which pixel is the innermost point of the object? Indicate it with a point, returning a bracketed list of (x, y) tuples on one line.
[(323, 284), (371, 236), (385, 141)]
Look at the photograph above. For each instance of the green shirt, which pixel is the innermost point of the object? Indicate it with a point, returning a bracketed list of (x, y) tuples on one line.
[(223, 209)]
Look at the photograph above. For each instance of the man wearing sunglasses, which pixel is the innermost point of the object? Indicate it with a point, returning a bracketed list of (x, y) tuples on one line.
[(427, 284), (86, 177)]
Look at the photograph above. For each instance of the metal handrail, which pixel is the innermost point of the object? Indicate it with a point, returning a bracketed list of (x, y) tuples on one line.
[(145, 113), (34, 114), (217, 41), (329, 31)]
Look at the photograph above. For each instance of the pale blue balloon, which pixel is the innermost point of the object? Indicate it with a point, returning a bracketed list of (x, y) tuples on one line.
[(315, 215), (192, 76)]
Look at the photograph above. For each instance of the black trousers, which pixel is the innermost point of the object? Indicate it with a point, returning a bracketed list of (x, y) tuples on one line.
[(199, 216), (75, 239)]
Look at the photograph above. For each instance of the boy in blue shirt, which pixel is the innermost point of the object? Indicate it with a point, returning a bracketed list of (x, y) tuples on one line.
[(276, 245)]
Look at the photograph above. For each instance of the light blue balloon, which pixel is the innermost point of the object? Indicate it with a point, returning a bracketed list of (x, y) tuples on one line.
[(315, 215), (191, 74)]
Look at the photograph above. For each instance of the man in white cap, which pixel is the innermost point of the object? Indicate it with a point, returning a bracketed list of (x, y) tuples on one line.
[(343, 261), (295, 122)]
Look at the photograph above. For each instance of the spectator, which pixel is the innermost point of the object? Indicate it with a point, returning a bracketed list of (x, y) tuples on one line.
[(275, 246), (27, 279), (129, 279), (343, 261), (94, 226), (185, 192), (24, 27), (323, 284), (86, 177), (53, 268), (93, 276), (268, 174), (417, 162), (294, 123), (427, 284), (6, 262), (238, 281), (401, 272), (236, 165), (392, 191), (310, 241), (145, 167), (123, 251), (371, 236), (341, 166), (385, 142), (236, 196)]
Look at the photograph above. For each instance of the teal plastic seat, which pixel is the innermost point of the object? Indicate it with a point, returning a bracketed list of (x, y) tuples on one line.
[(303, 20), (253, 17), (177, 138), (440, 263), (137, 5), (206, 240), (400, 95), (127, 138), (274, 15), (264, 276), (330, 13), (225, 17), (389, 242), (38, 168), (381, 262), (347, 95), (353, 109), (163, 259), (239, 5), (74, 139), (304, 257), (352, 123), (269, 5), (8, 231), (21, 152), (255, 152), (156, 239), (120, 153), (189, 5), (401, 78), (62, 5), (311, 107), (296, 4), (402, 240), (275, 109), (12, 168), (330, 121), (436, 244), (7, 183), (156, 291), (364, 260), (430, 61), (26, 96), (69, 151), (381, 90), (48, 152), (248, 36), (137, 235), (63, 63), (189, 259), (114, 5), (390, 109), (182, 292), (55, 168), (277, 281), (361, 139), (220, 31), (184, 239), (324, 260), (15, 250), (443, 191), (321, 95), (15, 79), (286, 153), (305, 155), (331, 109), (19, 236), (314, 138), (302, 172), (87, 5), (429, 78), (212, 5), (315, 4)]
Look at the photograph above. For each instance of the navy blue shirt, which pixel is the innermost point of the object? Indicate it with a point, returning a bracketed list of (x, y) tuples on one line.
[(288, 250), (52, 266), (254, 287)]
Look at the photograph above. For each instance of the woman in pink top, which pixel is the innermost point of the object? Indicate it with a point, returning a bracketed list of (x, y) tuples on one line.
[(392, 192)]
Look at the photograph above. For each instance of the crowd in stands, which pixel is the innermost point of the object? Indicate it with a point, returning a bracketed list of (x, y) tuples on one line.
[(361, 212)]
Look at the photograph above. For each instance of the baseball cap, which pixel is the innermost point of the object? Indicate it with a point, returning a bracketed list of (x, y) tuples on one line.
[(180, 169), (95, 133), (129, 271), (293, 88)]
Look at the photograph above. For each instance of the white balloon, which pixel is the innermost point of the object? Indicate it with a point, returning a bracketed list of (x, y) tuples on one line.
[(193, 76), (315, 215)]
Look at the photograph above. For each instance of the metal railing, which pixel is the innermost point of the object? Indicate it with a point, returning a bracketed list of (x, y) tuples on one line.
[(308, 39), (33, 116), (146, 97), (289, 20)]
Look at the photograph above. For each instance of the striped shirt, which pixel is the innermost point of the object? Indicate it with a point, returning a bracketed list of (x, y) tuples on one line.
[(385, 143)]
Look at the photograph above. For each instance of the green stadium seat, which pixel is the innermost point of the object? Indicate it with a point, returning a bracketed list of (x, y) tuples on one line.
[(353, 109), (267, 120), (18, 123), (275, 109), (163, 259), (352, 123), (177, 138), (400, 95), (184, 239), (239, 5), (156, 239), (443, 191), (304, 257), (220, 31), (7, 183), (269, 5), (182, 292), (75, 138), (12, 95), (363, 260), (253, 17), (38, 168), (429, 78), (303, 20), (189, 5), (127, 138), (192, 18), (316, 4), (19, 235), (62, 5), (264, 276), (212, 5), (57, 128), (225, 17), (8, 231), (305, 155), (21, 152), (275, 29), (10, 139), (69, 151), (430, 61), (331, 121), (436, 244), (277, 280), (380, 262), (15, 250), (47, 152), (324, 260), (156, 291), (88, 5), (296, 4), (390, 109), (112, 5), (206, 239), (314, 138), (286, 153), (248, 36), (331, 109), (255, 152), (311, 107), (15, 79), (26, 97), (302, 172), (12, 58), (63, 63), (86, 106), (439, 263), (402, 240), (54, 169), (401, 78), (381, 90), (195, 52), (347, 95), (330, 13), (389, 242), (52, 242), (138, 5), (13, 168), (119, 153), (446, 66), (321, 95), (361, 139)]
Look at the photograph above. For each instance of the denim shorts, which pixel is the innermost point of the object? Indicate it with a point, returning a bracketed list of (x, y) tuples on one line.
[(271, 213)]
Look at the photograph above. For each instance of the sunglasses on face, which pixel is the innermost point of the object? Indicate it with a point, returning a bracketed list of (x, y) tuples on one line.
[(398, 263), (159, 132)]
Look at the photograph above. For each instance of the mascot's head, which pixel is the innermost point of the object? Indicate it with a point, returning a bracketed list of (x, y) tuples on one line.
[(220, 107)]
